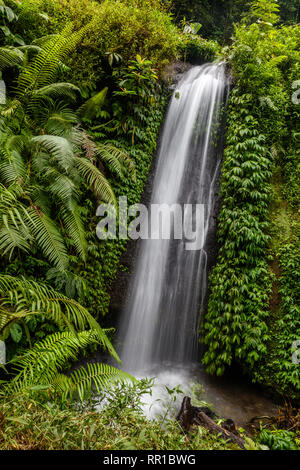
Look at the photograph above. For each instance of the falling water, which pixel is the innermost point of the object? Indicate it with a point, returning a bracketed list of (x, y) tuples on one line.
[(168, 288)]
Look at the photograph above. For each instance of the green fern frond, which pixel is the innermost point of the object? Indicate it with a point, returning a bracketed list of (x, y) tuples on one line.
[(12, 239), (48, 238), (40, 42), (96, 180), (42, 366), (11, 109), (59, 147), (59, 91), (91, 107), (20, 296), (17, 143), (42, 70), (14, 233), (9, 196), (94, 377), (74, 226), (60, 120), (12, 166), (10, 57), (31, 48), (61, 186), (117, 160)]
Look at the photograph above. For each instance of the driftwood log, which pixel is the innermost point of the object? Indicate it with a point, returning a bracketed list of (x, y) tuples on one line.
[(191, 415)]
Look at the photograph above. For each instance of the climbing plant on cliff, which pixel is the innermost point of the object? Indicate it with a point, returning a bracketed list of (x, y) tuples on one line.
[(241, 324)]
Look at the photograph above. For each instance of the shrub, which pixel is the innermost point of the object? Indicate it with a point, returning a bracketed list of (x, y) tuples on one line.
[(126, 27), (196, 50), (278, 439)]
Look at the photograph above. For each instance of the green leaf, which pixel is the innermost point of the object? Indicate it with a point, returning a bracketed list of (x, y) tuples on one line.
[(16, 333)]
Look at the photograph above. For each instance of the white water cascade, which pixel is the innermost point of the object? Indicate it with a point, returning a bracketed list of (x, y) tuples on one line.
[(159, 324)]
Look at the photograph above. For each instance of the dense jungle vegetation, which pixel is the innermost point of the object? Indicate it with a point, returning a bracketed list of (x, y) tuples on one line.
[(83, 94)]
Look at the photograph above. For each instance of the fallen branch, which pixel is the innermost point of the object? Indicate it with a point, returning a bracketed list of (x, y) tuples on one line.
[(190, 415), (203, 420)]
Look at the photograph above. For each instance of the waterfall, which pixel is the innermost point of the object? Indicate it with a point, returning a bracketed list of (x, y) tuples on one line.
[(168, 288)]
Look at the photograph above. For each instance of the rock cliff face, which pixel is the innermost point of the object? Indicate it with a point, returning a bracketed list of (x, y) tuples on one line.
[(2, 353), (120, 287)]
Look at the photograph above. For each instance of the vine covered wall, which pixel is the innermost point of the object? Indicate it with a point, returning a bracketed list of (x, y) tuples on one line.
[(253, 316)]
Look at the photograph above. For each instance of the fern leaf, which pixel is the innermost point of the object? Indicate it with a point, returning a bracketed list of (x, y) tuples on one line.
[(14, 233), (32, 298), (59, 147), (94, 377), (74, 226), (59, 91), (43, 364), (10, 57), (91, 107), (48, 238), (117, 160), (96, 180), (43, 68), (12, 239), (12, 166), (62, 187)]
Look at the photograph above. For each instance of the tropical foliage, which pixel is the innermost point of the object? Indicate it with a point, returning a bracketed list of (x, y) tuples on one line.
[(46, 158), (246, 321), (40, 367), (50, 160), (32, 424), (83, 94), (217, 17)]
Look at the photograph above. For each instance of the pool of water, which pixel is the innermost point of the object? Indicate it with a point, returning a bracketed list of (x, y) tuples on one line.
[(230, 397)]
